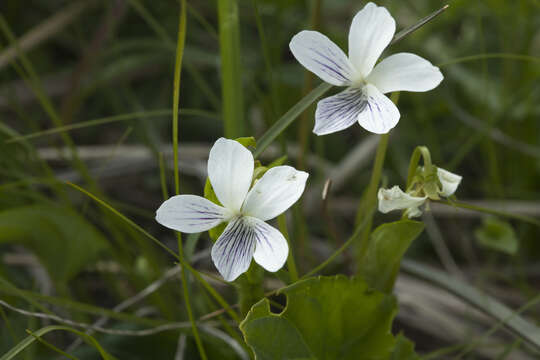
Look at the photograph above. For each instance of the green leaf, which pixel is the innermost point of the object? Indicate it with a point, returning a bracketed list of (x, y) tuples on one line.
[(387, 245), (247, 141), (498, 235), (278, 162), (63, 241), (404, 349), (325, 318)]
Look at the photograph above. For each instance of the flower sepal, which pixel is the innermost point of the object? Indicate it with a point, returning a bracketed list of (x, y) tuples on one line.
[(249, 285), (210, 194), (431, 182)]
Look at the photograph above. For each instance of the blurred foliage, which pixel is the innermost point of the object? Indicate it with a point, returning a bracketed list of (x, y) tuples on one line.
[(497, 235), (117, 57)]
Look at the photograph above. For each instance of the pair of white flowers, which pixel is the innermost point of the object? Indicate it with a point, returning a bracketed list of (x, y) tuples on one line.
[(397, 199), (245, 205)]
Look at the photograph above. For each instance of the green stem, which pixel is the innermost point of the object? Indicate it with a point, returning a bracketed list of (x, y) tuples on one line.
[(176, 100), (185, 290), (524, 218), (291, 264), (370, 197), (250, 288), (508, 56), (51, 346), (346, 244), (231, 69), (420, 151)]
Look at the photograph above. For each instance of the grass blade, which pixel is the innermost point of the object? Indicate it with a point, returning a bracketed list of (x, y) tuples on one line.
[(111, 119), (30, 339), (271, 134), (231, 74), (176, 100), (400, 35)]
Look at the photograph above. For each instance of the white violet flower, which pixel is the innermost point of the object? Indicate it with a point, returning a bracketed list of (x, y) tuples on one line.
[(247, 235), (396, 199), (364, 101)]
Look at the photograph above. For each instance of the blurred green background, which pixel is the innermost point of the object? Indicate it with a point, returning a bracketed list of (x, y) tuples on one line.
[(107, 67)]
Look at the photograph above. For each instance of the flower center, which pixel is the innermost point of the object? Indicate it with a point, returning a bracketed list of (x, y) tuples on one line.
[(358, 82)]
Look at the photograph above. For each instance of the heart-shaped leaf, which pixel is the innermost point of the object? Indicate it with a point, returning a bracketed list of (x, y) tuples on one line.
[(325, 318)]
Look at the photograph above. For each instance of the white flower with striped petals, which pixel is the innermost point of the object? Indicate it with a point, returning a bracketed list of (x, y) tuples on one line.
[(363, 101), (246, 208)]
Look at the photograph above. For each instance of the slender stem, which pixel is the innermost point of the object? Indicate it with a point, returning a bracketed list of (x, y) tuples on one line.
[(346, 244), (176, 100), (250, 288), (291, 264), (185, 290), (371, 195), (51, 346), (420, 151), (462, 205), (231, 69), (400, 35), (508, 56), (370, 198), (176, 92)]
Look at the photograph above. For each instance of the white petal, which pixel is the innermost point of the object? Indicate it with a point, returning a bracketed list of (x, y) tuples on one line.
[(322, 57), (380, 114), (272, 249), (396, 199), (405, 72), (338, 112), (278, 189), (190, 214), (230, 169), (371, 31), (233, 250), (449, 182)]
